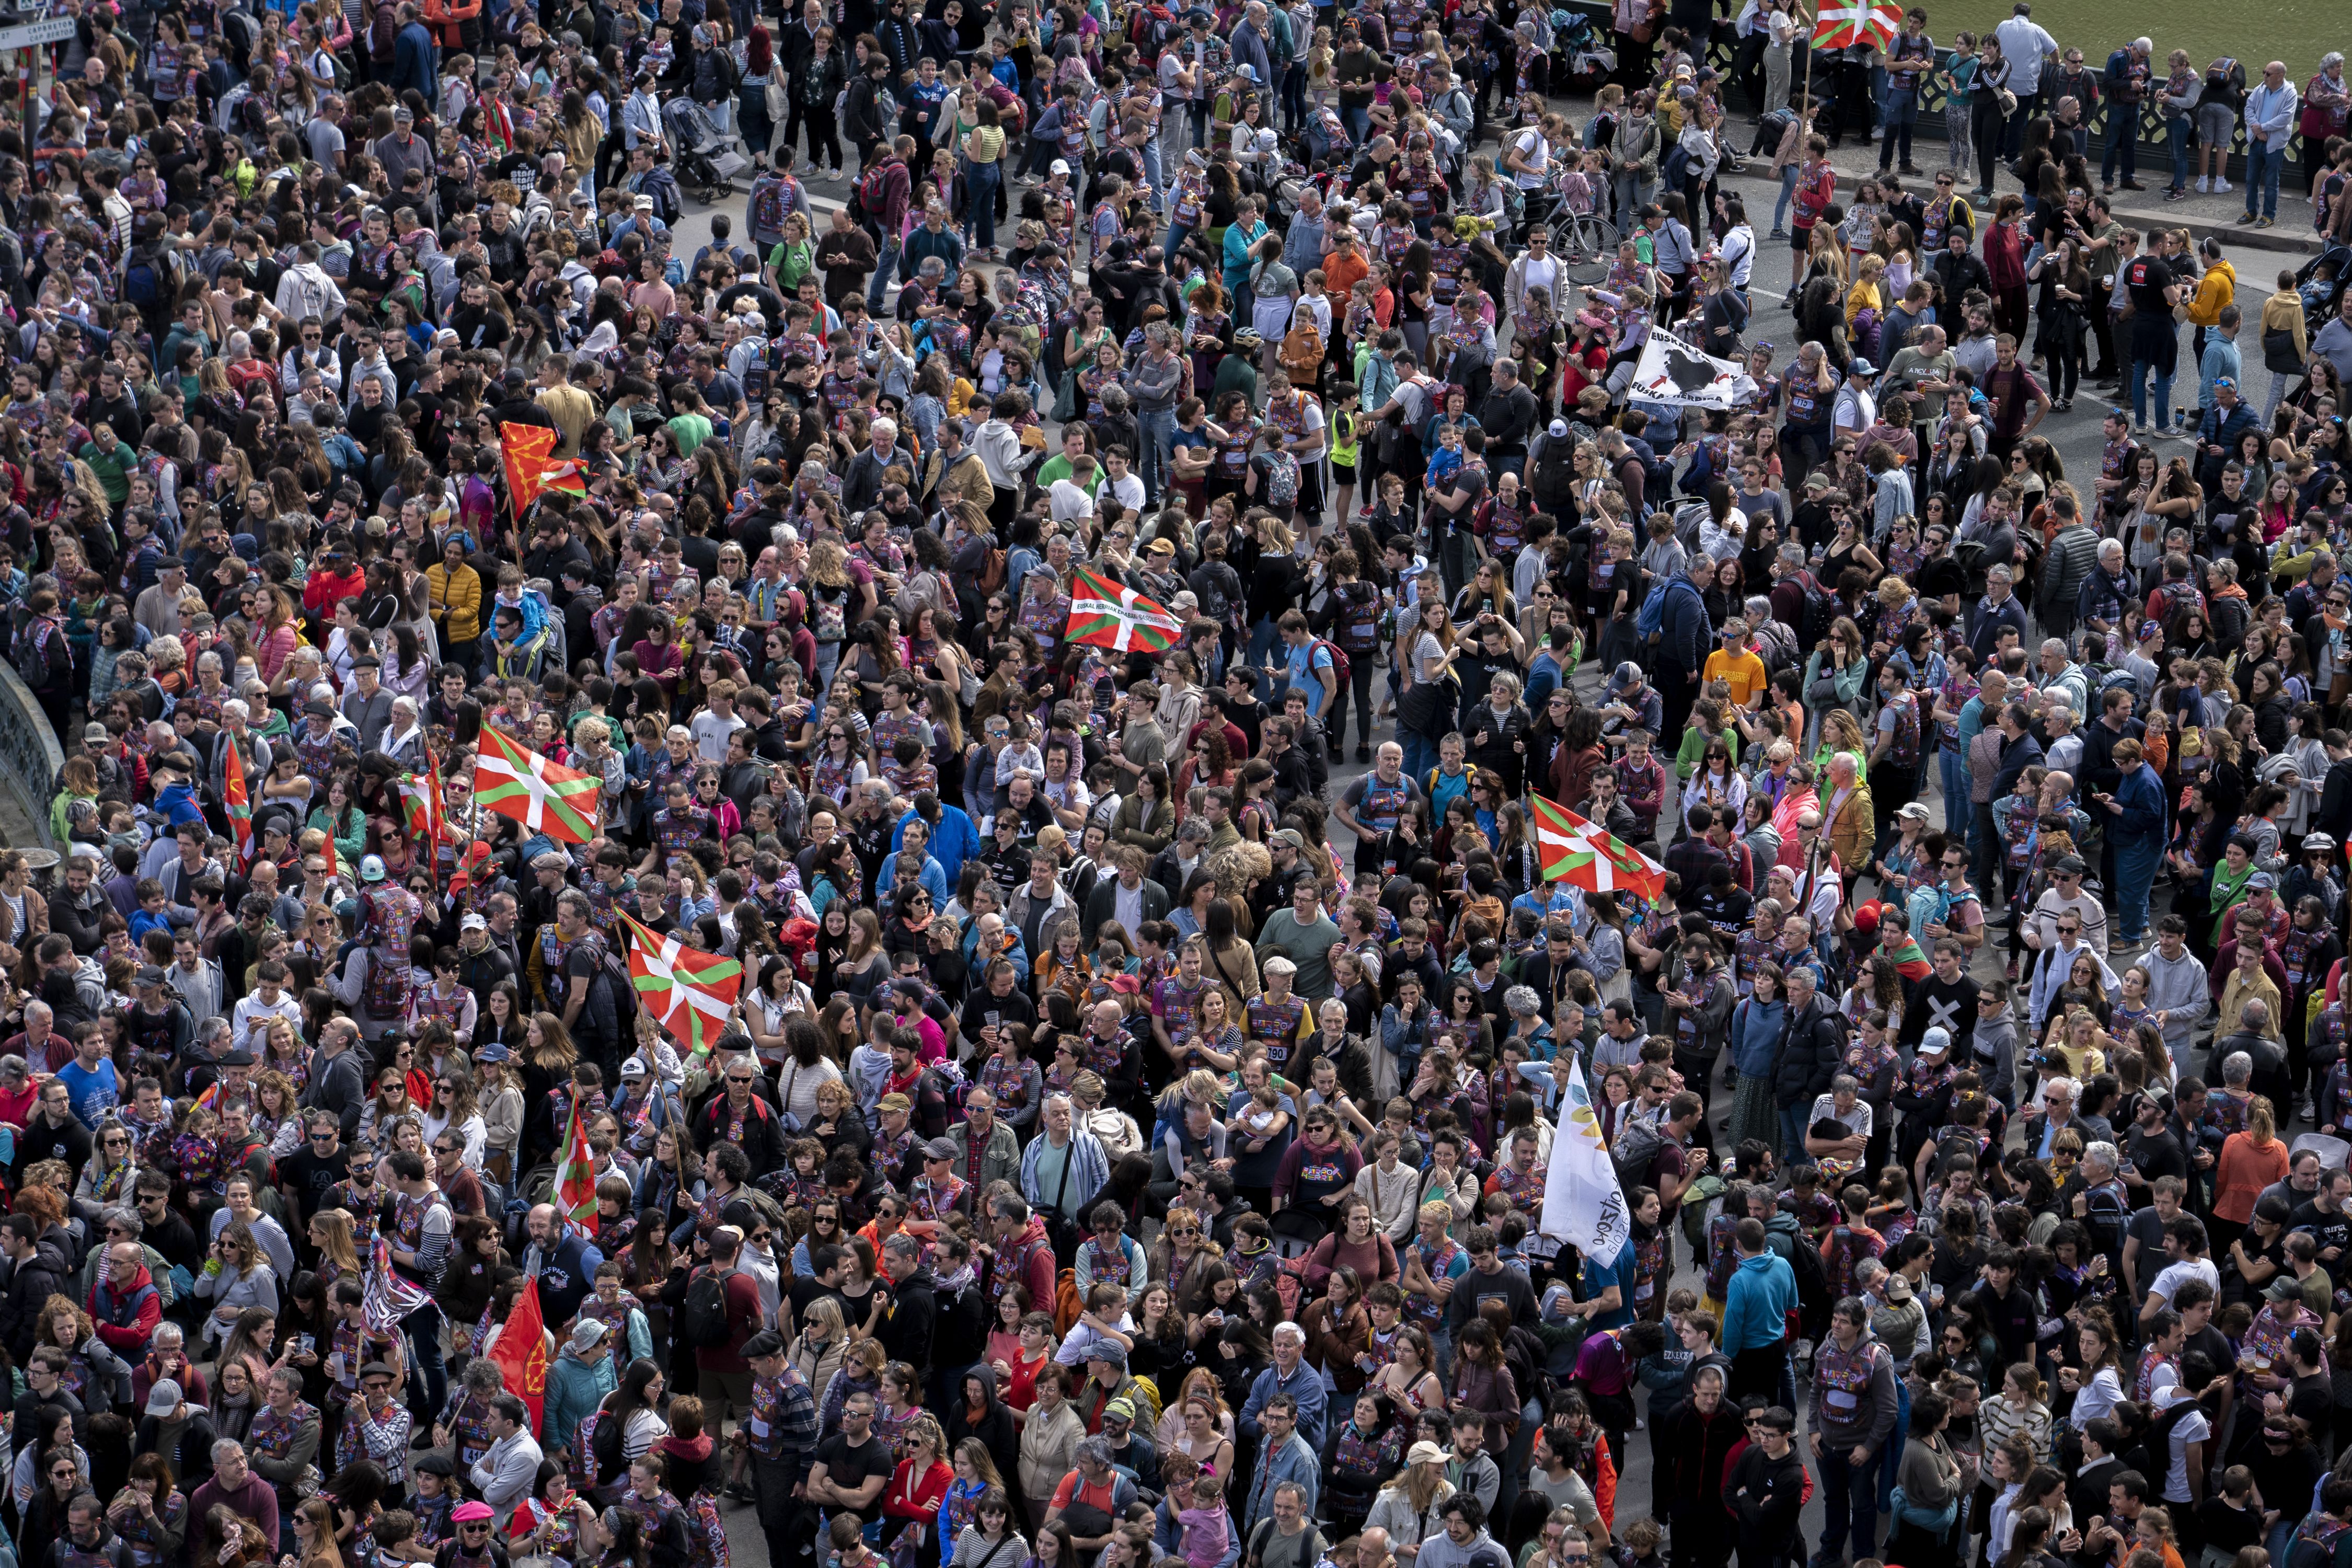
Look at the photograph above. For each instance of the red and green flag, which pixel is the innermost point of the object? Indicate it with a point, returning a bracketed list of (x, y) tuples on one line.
[(428, 822), (1571, 849), (575, 1178), (528, 451), (1108, 616), (236, 803), (1843, 24), (691, 991), (513, 780)]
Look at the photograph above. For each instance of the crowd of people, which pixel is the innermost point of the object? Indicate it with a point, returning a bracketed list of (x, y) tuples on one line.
[(963, 644)]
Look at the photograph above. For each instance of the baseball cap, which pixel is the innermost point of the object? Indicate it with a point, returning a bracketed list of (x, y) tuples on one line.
[(165, 1397), (96, 732), (939, 1149), (633, 1067), (1934, 1042)]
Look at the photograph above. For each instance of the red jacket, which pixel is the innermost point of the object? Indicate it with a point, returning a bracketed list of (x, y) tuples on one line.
[(744, 1314), (126, 1319), (322, 589)]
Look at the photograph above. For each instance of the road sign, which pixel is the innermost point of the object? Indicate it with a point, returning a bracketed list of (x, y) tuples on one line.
[(32, 35)]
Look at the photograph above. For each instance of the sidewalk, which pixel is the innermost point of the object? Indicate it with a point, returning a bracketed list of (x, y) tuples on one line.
[(2290, 236)]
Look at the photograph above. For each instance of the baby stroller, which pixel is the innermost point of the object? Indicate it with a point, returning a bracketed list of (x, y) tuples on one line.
[(1590, 62), (704, 158)]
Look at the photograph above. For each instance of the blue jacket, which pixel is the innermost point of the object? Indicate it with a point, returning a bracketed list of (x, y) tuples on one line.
[(953, 841), (415, 63), (1756, 1306), (1305, 1386), (1685, 634), (573, 1389)]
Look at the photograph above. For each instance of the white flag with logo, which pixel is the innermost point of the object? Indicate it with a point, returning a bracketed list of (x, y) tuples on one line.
[(1583, 1205), (1672, 372)]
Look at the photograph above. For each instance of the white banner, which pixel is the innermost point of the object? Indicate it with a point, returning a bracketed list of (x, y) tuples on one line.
[(1672, 372), (1583, 1205)]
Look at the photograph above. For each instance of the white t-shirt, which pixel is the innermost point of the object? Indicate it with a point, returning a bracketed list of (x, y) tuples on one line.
[(1070, 502), (1531, 146), (2192, 1427), (1858, 1120), (2175, 1275)]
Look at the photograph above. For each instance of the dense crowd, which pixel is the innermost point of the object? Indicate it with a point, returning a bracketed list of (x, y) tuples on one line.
[(964, 643)]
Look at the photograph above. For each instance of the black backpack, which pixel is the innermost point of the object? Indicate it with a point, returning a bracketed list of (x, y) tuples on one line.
[(1813, 1301), (42, 660), (702, 1318), (1822, 610)]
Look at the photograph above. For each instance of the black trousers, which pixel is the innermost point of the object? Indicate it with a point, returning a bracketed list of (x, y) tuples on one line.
[(1359, 681)]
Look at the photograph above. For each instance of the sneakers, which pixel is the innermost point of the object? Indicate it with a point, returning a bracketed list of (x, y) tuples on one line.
[(2221, 187), (2243, 218), (2175, 194), (1778, 234), (2265, 222), (2204, 185)]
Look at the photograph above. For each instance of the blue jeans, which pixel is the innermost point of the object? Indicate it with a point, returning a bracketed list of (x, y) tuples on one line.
[(1152, 172), (1156, 431), (1955, 777), (2135, 378), (1787, 189), (2262, 166), (2177, 128), (1178, 233), (1890, 1458), (1849, 1500), (1264, 637), (1420, 755), (2135, 875), (1794, 1119), (1359, 122), (886, 268), (979, 182)]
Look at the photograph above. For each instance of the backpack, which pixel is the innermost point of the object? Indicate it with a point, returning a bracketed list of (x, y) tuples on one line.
[(607, 1459), (142, 279), (1302, 351), (872, 196), (1903, 750), (702, 1318), (1813, 1301), (1359, 620), (1339, 666), (769, 208), (1636, 1148), (1674, 169), (42, 660), (662, 186), (1148, 30), (1281, 478), (1822, 610)]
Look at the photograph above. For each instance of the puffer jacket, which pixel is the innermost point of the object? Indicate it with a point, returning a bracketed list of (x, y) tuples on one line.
[(1810, 1058)]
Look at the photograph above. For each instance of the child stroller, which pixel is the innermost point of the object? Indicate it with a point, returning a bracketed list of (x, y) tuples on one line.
[(704, 158)]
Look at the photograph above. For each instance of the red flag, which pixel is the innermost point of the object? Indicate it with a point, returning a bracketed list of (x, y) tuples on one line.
[(575, 1180), (521, 1355)]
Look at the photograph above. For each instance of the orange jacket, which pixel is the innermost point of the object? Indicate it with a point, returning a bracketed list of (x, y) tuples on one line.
[(447, 19)]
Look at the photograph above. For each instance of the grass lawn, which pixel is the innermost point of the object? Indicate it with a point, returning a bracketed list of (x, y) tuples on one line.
[(2296, 31)]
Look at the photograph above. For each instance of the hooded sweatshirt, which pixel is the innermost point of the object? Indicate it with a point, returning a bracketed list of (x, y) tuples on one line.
[(2178, 988), (995, 1427), (1756, 1308)]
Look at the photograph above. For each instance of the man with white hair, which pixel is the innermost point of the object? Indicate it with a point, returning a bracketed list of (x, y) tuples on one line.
[(2063, 752), (2271, 114), (861, 485), (1847, 825), (2060, 678), (2059, 1096), (1060, 1172), (1292, 1378)]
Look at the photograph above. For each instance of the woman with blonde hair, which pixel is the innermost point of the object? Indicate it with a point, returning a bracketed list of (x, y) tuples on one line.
[(330, 1237), (1200, 1383), (314, 1535), (1408, 1506), (817, 1350)]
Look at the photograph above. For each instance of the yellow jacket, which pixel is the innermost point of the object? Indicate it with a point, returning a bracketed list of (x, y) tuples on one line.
[(2282, 312), (456, 601), (2217, 288)]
